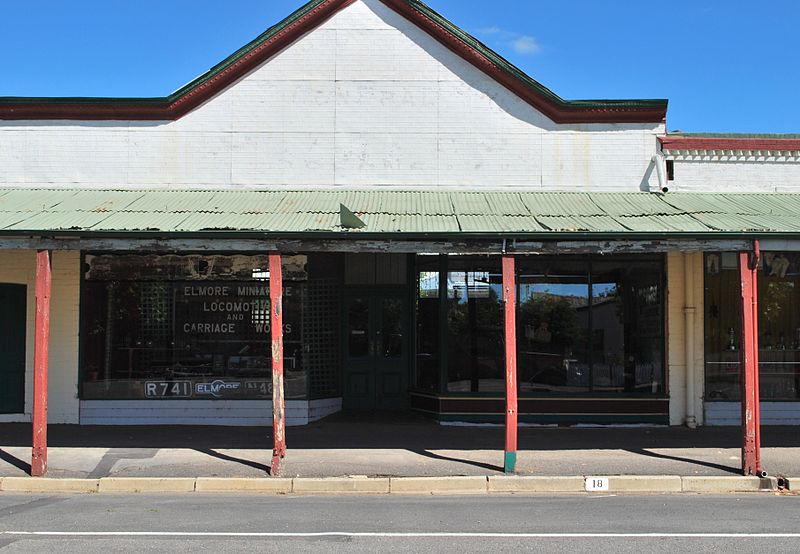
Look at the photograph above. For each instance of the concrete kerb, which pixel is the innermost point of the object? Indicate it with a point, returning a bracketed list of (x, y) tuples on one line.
[(275, 485), (48, 485), (645, 483), (439, 485), (147, 484), (535, 484), (341, 485), (400, 485), (719, 484)]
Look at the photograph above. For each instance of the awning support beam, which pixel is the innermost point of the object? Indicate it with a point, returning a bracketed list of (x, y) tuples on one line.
[(510, 308), (276, 334), (399, 245), (751, 417), (40, 363)]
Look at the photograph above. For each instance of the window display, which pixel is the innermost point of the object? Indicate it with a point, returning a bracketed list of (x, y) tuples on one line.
[(191, 326), (584, 325), (778, 326)]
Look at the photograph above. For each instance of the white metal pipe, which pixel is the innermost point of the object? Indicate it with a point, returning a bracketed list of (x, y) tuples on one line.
[(658, 161), (688, 313)]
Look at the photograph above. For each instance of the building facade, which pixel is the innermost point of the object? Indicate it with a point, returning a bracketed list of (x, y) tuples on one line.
[(392, 181)]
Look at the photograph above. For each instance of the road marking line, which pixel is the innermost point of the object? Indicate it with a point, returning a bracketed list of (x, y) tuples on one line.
[(393, 535)]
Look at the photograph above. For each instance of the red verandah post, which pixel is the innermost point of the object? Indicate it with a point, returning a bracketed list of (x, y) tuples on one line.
[(40, 363), (510, 307), (751, 410), (276, 333)]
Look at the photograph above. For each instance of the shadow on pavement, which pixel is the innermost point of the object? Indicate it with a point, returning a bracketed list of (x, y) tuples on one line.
[(14, 461), (434, 456), (249, 463), (393, 431), (729, 469)]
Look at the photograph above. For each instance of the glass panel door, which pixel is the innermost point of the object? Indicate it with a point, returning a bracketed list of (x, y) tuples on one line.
[(376, 363)]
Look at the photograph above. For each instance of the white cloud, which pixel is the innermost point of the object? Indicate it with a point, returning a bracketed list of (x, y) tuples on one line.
[(525, 45), (493, 30), (519, 43)]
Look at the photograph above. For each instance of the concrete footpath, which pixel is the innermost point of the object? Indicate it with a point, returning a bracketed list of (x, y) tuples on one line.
[(383, 455)]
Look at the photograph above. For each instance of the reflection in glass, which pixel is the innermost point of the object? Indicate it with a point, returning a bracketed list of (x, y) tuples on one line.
[(778, 326), (627, 327), (587, 325), (427, 324), (475, 360), (553, 322), (159, 338), (392, 328), (358, 328)]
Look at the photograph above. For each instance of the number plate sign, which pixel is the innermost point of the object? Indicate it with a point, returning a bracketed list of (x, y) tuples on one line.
[(168, 389), (596, 484)]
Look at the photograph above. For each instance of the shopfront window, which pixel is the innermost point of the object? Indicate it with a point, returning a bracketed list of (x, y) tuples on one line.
[(590, 325), (192, 327), (627, 322), (475, 353), (778, 326), (553, 353), (426, 374), (584, 325)]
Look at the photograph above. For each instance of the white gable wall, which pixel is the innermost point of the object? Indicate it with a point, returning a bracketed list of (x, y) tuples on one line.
[(366, 99)]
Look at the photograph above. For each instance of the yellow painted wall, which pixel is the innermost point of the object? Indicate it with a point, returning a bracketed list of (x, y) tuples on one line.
[(19, 267), (676, 334)]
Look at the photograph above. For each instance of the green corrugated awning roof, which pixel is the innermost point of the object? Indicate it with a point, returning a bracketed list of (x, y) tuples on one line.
[(394, 212)]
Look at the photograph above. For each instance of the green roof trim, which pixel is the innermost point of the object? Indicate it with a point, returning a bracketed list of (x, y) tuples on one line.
[(395, 213), (304, 19)]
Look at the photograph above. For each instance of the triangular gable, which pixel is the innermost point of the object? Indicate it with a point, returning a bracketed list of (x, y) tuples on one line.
[(305, 19)]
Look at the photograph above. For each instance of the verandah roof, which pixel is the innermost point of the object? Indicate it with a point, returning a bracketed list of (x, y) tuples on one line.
[(395, 213)]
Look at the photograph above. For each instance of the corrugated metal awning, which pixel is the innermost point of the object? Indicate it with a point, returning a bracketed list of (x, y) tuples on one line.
[(395, 212)]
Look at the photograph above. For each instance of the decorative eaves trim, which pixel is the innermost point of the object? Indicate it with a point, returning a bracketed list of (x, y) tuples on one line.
[(777, 150), (305, 19)]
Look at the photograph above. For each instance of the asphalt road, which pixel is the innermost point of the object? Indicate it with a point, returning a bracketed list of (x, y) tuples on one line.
[(227, 523)]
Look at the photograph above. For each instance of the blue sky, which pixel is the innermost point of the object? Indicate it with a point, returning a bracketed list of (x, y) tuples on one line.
[(725, 66)]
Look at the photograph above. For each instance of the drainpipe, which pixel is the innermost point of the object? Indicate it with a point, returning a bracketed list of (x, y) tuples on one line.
[(658, 161), (688, 314)]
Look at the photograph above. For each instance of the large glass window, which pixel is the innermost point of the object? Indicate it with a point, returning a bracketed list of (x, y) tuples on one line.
[(778, 326), (585, 324), (426, 375), (191, 326), (554, 323), (475, 353), (590, 325)]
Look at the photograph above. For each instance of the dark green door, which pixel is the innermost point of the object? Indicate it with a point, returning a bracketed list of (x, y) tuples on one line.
[(13, 300), (376, 350)]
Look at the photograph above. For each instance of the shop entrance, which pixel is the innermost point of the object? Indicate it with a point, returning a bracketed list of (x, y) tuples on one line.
[(13, 299), (376, 349)]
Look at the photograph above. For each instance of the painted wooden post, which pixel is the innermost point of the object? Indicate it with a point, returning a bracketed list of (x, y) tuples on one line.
[(751, 424), (510, 307), (40, 363), (276, 333)]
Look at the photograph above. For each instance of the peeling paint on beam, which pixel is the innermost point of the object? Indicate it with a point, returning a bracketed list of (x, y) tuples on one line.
[(375, 246), (627, 246)]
